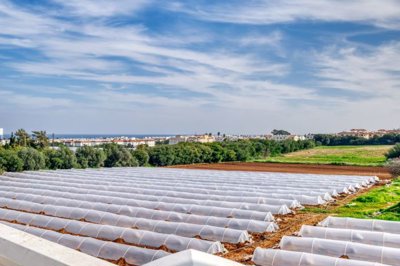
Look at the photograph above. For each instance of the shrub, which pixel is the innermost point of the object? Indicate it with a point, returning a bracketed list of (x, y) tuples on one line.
[(393, 152), (63, 158), (32, 159), (394, 167), (141, 156), (118, 156), (90, 157), (9, 161)]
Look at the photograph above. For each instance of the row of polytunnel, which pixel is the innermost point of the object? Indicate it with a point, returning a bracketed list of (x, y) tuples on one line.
[(142, 214), (337, 242)]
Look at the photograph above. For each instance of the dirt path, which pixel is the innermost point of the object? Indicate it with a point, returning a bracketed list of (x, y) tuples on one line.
[(381, 172)]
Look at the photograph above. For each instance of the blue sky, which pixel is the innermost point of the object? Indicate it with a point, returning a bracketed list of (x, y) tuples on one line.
[(152, 66)]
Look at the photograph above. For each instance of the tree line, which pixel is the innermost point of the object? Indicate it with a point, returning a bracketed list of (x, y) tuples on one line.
[(334, 140), (33, 153)]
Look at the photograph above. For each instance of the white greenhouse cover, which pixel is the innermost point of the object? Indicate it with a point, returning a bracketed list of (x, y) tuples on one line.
[(159, 208), (276, 257), (361, 242), (336, 248), (362, 224), (359, 236)]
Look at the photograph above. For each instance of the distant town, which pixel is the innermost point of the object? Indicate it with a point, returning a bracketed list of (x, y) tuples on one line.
[(133, 142)]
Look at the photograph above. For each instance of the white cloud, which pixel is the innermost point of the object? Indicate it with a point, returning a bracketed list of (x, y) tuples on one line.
[(374, 71), (101, 8), (383, 13)]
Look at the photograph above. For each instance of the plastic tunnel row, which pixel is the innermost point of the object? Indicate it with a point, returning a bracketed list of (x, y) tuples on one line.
[(182, 229), (204, 174), (97, 248), (139, 238), (300, 185), (312, 200), (149, 204), (201, 188), (337, 241), (138, 212), (250, 203), (258, 203)]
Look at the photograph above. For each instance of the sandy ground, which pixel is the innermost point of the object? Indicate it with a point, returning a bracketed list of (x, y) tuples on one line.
[(381, 172)]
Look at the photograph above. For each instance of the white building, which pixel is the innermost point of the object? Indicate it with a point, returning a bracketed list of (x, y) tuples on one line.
[(1, 133)]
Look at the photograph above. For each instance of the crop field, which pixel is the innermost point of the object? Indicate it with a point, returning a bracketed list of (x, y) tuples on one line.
[(131, 216), (338, 155)]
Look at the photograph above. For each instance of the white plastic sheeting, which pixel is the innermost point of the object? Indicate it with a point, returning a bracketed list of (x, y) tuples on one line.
[(335, 248), (359, 236), (276, 257), (183, 229), (111, 233), (151, 202), (138, 212), (362, 224), (97, 248), (142, 205), (242, 186)]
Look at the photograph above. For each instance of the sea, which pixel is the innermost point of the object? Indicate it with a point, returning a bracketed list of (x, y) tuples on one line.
[(98, 136)]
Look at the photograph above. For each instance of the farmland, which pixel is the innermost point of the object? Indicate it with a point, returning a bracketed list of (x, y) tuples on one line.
[(379, 171), (337, 155), (147, 213)]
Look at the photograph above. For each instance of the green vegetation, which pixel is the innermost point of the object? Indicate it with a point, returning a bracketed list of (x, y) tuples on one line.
[(379, 203), (33, 153), (373, 155), (334, 140), (393, 152)]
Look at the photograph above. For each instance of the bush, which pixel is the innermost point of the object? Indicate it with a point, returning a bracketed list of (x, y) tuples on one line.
[(9, 161), (393, 152), (90, 157), (118, 156), (63, 158), (32, 159), (394, 167), (141, 156)]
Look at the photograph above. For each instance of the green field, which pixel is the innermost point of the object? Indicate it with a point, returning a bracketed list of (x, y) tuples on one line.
[(373, 155), (379, 203)]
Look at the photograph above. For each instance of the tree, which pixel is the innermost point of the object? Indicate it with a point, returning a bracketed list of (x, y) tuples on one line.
[(118, 156), (90, 157), (280, 132), (62, 158), (141, 156), (162, 155), (23, 138), (41, 139), (393, 152), (9, 161), (32, 159)]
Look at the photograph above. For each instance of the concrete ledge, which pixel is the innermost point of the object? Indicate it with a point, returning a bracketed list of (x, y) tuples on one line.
[(192, 257), (18, 248)]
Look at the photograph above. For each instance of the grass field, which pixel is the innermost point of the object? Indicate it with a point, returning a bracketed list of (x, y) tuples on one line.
[(379, 203), (339, 155)]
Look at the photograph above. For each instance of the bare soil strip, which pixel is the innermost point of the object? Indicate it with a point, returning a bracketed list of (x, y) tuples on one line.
[(381, 172)]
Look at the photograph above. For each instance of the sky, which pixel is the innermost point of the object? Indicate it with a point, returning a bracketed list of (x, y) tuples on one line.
[(195, 66)]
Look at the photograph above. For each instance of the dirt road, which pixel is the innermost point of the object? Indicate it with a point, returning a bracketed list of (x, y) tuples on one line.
[(381, 172)]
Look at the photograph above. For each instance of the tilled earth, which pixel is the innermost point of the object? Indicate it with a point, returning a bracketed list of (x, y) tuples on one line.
[(381, 172)]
